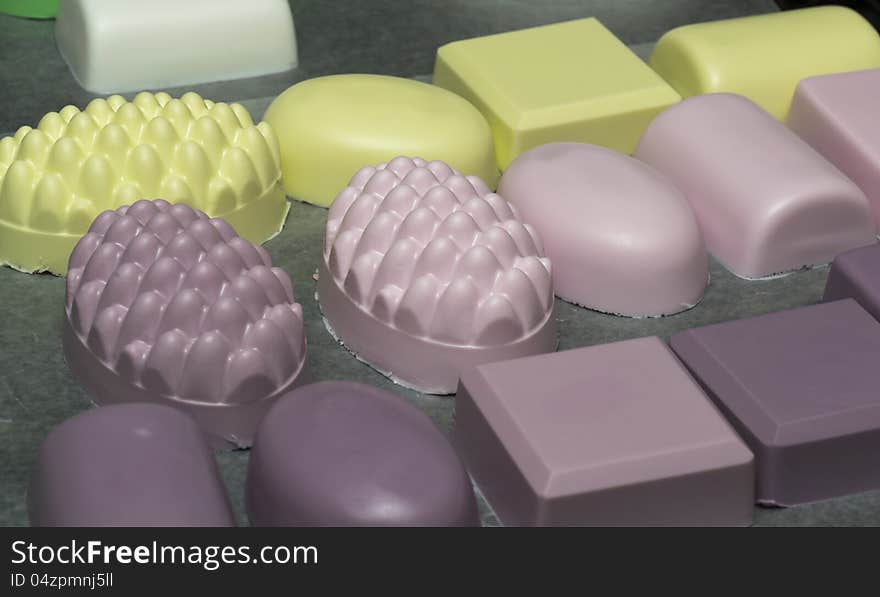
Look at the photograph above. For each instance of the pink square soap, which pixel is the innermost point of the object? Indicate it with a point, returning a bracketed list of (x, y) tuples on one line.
[(837, 115), (617, 434), (767, 203)]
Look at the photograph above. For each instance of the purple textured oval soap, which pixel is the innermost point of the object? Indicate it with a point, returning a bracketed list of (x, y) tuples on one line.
[(426, 271), (167, 305), (347, 454), (127, 465)]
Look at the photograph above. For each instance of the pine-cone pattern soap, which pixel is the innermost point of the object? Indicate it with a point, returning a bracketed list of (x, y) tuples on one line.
[(55, 179), (167, 305), (426, 272)]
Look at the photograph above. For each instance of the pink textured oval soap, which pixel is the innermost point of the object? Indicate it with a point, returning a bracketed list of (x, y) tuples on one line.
[(167, 305), (426, 271), (622, 238)]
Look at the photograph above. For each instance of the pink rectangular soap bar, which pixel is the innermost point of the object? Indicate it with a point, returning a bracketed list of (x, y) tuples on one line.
[(617, 434), (767, 202), (838, 116)]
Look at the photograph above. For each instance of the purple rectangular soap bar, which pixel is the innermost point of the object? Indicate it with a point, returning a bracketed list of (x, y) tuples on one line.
[(617, 434), (800, 386), (856, 275)]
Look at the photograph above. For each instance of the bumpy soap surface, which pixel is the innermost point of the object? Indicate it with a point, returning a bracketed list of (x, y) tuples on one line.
[(55, 179), (426, 271), (165, 304)]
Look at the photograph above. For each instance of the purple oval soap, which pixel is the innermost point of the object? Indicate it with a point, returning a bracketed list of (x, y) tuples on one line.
[(427, 272), (167, 305), (127, 465), (348, 454)]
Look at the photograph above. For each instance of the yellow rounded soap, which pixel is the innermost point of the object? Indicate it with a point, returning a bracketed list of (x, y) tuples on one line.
[(330, 127), (56, 178)]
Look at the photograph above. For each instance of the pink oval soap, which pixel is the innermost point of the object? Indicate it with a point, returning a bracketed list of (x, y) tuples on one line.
[(426, 272), (622, 238)]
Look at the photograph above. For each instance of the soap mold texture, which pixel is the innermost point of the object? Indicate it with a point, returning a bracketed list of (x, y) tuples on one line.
[(55, 179), (339, 453), (763, 57), (127, 465), (766, 201), (117, 47), (426, 271), (571, 81), (330, 127), (167, 305)]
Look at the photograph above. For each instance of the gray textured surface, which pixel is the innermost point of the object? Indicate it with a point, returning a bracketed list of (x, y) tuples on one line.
[(36, 389)]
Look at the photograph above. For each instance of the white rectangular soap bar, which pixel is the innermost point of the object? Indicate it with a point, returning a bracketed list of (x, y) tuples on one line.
[(116, 46)]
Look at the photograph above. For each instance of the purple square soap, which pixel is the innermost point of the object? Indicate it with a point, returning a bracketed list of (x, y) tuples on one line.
[(800, 386), (617, 434), (856, 275), (837, 115)]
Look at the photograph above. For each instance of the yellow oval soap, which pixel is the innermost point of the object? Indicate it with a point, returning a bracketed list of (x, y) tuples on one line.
[(330, 127)]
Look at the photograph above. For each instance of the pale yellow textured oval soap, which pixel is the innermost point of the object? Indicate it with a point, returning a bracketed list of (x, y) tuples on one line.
[(56, 178), (330, 127)]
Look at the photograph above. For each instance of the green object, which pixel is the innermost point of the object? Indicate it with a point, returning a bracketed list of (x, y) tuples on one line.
[(32, 9)]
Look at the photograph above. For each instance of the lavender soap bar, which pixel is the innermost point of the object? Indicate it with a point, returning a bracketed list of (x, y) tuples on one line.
[(837, 115), (348, 454), (127, 465), (767, 203), (606, 435), (167, 305), (800, 386)]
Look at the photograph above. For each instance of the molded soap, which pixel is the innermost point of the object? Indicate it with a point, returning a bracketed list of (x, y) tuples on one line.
[(621, 237), (766, 201), (837, 115), (800, 387), (127, 465), (426, 271), (763, 57), (617, 434), (572, 81), (856, 274), (116, 47), (55, 179), (329, 127), (167, 305), (347, 454)]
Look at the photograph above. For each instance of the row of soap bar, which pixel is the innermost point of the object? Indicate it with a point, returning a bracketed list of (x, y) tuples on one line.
[(626, 433), (327, 454), (547, 84), (622, 433)]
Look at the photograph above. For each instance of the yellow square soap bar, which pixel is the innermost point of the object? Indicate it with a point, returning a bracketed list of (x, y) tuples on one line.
[(571, 81), (764, 57)]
